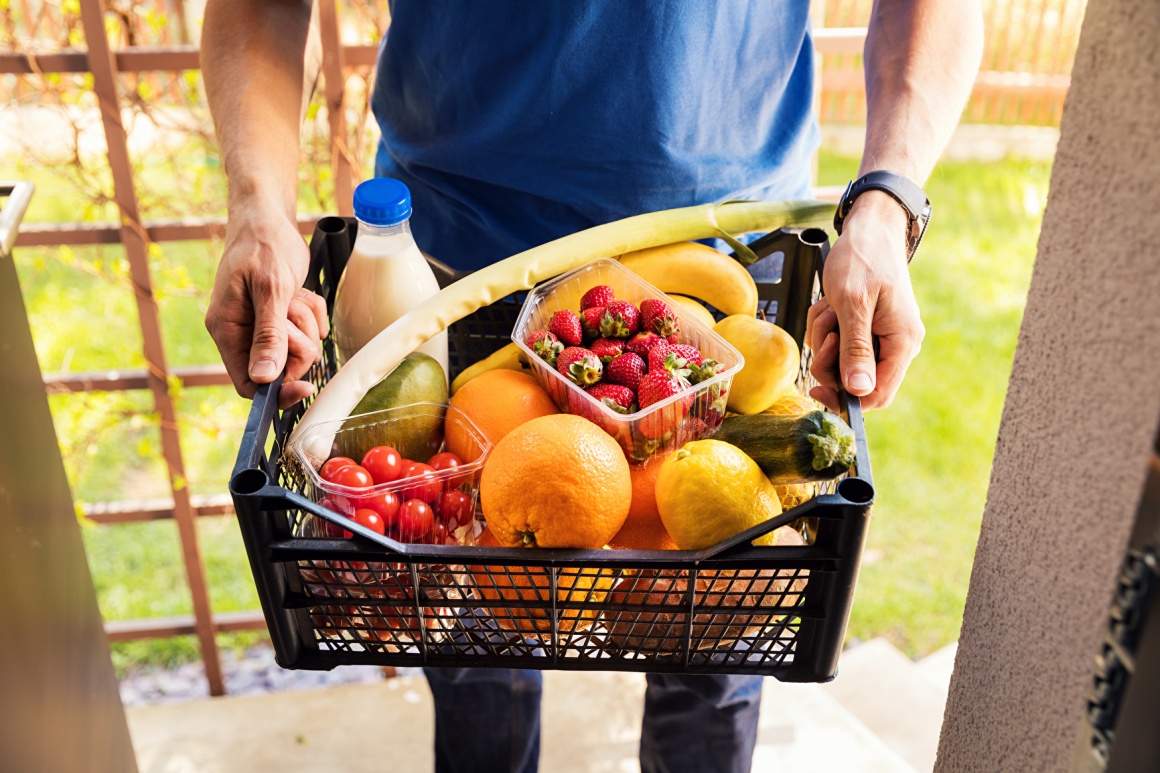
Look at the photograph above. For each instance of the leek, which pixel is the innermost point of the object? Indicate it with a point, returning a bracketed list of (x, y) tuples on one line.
[(384, 352)]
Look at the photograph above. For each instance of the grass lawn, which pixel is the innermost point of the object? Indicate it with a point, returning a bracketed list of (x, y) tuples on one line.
[(931, 450)]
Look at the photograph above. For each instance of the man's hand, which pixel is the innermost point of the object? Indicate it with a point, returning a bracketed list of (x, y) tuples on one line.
[(867, 293), (920, 58), (259, 60), (259, 316)]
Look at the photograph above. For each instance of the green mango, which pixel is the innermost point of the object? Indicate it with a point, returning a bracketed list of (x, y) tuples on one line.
[(415, 434)]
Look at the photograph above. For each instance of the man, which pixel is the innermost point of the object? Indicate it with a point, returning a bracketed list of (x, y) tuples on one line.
[(514, 123)]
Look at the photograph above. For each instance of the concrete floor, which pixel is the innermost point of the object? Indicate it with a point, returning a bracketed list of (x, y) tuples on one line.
[(591, 724)]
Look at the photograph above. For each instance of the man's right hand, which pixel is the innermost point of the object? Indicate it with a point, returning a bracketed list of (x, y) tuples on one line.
[(259, 316)]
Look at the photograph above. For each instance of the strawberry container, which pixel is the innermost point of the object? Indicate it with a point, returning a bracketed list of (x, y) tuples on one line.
[(661, 427)]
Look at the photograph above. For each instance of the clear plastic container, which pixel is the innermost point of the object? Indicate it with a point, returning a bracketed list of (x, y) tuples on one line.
[(418, 432), (663, 426)]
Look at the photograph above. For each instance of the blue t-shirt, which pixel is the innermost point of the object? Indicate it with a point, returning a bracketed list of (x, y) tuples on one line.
[(515, 122)]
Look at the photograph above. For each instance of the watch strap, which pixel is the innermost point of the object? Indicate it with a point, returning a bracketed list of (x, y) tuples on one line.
[(903, 190)]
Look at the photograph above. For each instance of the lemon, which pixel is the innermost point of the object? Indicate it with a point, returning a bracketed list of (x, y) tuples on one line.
[(772, 362), (708, 491)]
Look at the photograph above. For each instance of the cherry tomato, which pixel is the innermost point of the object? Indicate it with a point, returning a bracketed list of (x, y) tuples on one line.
[(415, 520), (370, 519), (333, 530), (385, 504), (334, 465), (425, 486), (383, 463), (352, 476), (339, 504), (455, 508), (448, 461), (438, 535)]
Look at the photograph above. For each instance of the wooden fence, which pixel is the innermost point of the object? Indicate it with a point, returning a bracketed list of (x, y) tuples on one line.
[(1006, 91), (1025, 73)]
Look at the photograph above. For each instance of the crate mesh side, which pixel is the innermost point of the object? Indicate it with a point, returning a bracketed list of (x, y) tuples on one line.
[(494, 614)]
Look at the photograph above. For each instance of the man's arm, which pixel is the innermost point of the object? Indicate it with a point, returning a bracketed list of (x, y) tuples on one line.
[(921, 57), (259, 63)]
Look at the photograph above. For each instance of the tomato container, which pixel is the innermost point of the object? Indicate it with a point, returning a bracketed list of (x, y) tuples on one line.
[(373, 600), (418, 431), (662, 427)]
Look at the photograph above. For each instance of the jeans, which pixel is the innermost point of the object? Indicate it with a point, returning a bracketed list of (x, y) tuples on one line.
[(488, 721)]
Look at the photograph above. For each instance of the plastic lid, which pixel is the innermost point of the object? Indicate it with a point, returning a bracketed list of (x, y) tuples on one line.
[(382, 201)]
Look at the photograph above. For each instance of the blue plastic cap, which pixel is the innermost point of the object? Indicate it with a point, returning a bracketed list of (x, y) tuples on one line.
[(382, 201)]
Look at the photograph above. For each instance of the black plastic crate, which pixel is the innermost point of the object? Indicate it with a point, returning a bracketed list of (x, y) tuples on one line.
[(732, 608)]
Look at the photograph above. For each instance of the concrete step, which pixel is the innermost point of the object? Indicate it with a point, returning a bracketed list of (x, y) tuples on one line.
[(938, 666), (591, 725), (803, 729), (886, 692)]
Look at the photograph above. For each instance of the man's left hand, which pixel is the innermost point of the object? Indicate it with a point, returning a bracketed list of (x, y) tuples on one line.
[(867, 293)]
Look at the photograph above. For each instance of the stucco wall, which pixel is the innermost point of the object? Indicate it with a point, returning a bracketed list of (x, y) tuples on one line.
[(1081, 412)]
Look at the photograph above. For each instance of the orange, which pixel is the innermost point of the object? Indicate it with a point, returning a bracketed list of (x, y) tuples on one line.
[(574, 585), (643, 529), (497, 401), (556, 482)]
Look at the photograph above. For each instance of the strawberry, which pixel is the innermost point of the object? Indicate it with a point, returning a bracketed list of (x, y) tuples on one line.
[(690, 353), (718, 404), (626, 370), (579, 365), (566, 326), (660, 385), (620, 320), (697, 427), (655, 387), (598, 297), (640, 343), (545, 345), (704, 370), (664, 356), (618, 398), (658, 316), (590, 320), (607, 348)]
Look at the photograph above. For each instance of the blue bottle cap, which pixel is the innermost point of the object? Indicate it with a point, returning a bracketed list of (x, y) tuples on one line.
[(382, 201)]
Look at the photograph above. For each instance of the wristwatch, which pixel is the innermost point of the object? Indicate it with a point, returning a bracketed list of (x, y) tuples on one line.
[(903, 190)]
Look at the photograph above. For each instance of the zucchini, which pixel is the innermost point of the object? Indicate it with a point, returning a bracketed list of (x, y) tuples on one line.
[(799, 448)]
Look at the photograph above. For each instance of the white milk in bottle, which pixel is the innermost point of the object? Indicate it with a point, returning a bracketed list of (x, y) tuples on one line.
[(386, 275)]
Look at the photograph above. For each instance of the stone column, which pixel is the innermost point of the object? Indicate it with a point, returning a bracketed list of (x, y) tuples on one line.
[(1082, 410)]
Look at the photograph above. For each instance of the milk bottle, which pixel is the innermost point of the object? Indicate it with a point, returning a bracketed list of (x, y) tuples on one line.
[(386, 275)]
